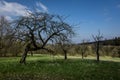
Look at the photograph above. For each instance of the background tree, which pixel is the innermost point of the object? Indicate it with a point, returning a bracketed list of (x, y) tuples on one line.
[(40, 29), (83, 47), (116, 51), (119, 51), (107, 50), (6, 36), (97, 40), (64, 47)]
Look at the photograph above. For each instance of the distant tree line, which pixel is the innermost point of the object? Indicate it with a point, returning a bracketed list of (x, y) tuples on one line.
[(113, 42)]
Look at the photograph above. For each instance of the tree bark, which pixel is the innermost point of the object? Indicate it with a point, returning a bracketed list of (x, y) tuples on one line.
[(82, 56), (31, 53), (97, 51), (119, 55), (23, 59), (65, 54)]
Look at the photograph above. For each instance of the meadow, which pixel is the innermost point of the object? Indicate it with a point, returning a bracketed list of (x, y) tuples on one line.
[(45, 67)]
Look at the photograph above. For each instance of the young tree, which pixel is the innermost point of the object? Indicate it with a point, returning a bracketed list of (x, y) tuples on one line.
[(64, 46), (39, 29), (83, 47), (97, 40)]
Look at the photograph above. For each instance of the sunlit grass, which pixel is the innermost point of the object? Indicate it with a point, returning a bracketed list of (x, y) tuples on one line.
[(46, 67)]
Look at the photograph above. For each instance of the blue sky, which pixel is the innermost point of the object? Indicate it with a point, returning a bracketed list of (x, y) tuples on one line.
[(89, 15)]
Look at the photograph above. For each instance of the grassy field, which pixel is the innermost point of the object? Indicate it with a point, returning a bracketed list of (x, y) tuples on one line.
[(44, 67)]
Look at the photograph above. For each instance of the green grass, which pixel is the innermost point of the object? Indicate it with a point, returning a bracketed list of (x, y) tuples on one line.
[(49, 68)]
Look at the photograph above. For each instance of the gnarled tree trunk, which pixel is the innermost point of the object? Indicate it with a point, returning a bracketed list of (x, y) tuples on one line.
[(23, 59)]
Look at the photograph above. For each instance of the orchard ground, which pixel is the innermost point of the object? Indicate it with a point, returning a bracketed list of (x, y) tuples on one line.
[(48, 67)]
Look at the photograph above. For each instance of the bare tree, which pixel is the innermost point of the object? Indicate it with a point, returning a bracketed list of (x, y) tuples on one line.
[(39, 29), (6, 35), (65, 47), (83, 47), (3, 29), (97, 40)]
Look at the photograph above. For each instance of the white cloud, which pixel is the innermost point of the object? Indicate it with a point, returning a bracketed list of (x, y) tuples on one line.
[(38, 10), (11, 9), (8, 18), (41, 5)]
